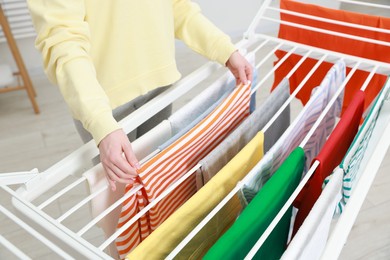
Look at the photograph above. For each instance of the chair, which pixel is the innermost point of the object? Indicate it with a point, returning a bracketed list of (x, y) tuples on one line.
[(23, 79)]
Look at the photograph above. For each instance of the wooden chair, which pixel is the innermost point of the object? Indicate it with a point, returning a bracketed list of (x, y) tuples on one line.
[(24, 81)]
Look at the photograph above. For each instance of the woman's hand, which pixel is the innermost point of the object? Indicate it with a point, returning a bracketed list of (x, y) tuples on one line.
[(118, 159), (240, 68)]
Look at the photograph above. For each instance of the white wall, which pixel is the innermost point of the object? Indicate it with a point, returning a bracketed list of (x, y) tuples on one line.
[(231, 16), (235, 16)]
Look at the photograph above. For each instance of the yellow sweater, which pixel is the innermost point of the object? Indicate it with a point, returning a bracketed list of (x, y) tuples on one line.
[(104, 53)]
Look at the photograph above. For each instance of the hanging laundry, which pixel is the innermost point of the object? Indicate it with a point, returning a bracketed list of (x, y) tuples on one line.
[(353, 159), (334, 43), (330, 156), (193, 123), (169, 234), (254, 220), (225, 151), (280, 125), (169, 165), (187, 114), (152, 143), (200, 204), (297, 131), (149, 143), (310, 240), (202, 105), (96, 180)]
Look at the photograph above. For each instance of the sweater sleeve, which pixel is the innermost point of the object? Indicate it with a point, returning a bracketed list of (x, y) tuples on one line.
[(199, 33), (63, 38)]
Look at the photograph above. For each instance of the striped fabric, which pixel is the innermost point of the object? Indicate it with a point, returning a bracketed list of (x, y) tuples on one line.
[(96, 179), (333, 79), (294, 135), (232, 145), (352, 160), (317, 104), (184, 119), (169, 165)]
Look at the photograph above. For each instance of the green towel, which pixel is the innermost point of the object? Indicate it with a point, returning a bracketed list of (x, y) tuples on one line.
[(254, 220)]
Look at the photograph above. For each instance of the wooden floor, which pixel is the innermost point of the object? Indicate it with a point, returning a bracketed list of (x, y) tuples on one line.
[(30, 141)]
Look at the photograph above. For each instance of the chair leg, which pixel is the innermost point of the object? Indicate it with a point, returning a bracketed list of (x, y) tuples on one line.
[(31, 93), (32, 86)]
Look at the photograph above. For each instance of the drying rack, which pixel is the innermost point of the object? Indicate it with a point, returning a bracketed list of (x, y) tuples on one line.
[(39, 199)]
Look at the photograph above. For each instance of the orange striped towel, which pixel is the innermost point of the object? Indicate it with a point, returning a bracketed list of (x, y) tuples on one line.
[(169, 165)]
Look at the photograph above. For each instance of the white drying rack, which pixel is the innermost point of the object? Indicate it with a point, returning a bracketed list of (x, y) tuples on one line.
[(42, 198)]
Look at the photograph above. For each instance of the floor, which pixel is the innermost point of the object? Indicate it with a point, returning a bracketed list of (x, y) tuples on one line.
[(30, 141)]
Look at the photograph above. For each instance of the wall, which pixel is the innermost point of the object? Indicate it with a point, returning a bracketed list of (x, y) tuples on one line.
[(232, 17)]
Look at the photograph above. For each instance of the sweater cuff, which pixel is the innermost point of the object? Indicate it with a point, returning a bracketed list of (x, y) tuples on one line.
[(224, 51), (101, 126)]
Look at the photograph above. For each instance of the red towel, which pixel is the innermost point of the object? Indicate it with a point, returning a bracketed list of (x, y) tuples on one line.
[(333, 43)]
